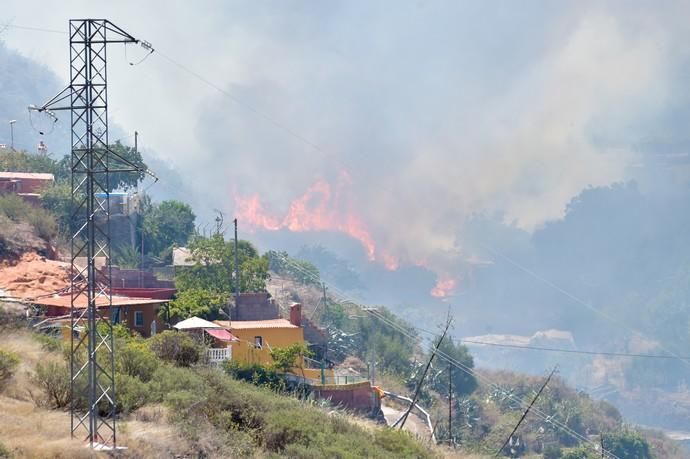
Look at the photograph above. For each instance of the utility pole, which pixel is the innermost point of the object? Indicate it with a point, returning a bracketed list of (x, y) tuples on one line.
[(426, 369), (524, 415), (12, 134), (237, 268), (92, 364), (450, 404), (141, 260)]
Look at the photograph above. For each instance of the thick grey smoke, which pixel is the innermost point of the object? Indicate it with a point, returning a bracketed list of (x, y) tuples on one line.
[(437, 111)]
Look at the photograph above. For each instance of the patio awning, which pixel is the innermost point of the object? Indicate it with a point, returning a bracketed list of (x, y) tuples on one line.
[(195, 322), (220, 334)]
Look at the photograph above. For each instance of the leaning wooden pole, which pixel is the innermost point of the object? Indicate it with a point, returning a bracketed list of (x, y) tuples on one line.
[(426, 369)]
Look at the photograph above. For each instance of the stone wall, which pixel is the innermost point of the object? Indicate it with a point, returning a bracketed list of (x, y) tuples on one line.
[(255, 306)]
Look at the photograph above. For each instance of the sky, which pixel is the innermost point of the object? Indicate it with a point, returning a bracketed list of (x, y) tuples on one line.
[(391, 122)]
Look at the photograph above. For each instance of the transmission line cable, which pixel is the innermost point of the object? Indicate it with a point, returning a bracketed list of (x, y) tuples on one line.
[(581, 302), (546, 418), (449, 359)]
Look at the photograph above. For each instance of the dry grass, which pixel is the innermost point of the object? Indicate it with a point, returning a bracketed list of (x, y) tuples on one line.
[(33, 432)]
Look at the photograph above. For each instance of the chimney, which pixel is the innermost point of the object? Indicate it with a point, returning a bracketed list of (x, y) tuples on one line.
[(296, 314)]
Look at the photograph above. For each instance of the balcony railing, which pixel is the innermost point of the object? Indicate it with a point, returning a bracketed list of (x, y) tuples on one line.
[(218, 355)]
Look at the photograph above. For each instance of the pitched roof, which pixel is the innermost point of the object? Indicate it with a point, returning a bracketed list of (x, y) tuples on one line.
[(254, 324)]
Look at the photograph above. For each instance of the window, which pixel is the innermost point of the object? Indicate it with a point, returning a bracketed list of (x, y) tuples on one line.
[(138, 318), (258, 342)]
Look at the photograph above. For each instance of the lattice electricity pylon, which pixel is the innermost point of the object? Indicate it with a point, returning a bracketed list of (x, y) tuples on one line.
[(93, 403)]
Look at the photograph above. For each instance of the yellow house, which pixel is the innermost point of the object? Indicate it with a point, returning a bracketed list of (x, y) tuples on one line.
[(258, 337)]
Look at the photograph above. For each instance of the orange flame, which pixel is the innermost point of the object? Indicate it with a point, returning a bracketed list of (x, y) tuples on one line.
[(391, 262), (315, 210), (444, 287)]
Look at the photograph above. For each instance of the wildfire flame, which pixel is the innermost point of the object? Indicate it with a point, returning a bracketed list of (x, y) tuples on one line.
[(326, 208), (444, 287), (318, 209)]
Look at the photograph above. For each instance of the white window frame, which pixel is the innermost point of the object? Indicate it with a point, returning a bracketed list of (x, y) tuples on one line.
[(259, 342)]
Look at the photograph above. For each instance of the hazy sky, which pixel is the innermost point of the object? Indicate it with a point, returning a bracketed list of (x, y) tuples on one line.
[(434, 110)]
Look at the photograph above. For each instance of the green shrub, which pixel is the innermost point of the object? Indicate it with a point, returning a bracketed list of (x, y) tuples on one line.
[(49, 343), (134, 358), (176, 347), (9, 361), (581, 452), (5, 452), (131, 393), (399, 443), (16, 209), (255, 373), (286, 427), (168, 379), (53, 378), (627, 444), (43, 222), (552, 452), (288, 357)]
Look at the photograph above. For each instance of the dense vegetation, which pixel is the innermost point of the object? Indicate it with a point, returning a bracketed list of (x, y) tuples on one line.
[(483, 412), (164, 368), (222, 416), (205, 287), (160, 226)]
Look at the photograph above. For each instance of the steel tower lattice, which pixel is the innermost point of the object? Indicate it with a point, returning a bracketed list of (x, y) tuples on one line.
[(93, 403)]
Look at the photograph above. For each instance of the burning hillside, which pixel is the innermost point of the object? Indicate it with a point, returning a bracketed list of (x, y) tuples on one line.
[(323, 207)]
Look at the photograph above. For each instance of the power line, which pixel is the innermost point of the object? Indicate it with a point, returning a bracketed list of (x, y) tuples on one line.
[(242, 103), (546, 418), (538, 348), (524, 415), (549, 419), (35, 29), (573, 351), (580, 301)]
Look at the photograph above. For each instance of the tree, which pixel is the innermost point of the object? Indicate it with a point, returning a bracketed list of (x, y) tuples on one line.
[(627, 445), (22, 161), (463, 383), (125, 180), (198, 302), (58, 200), (166, 224), (206, 286), (302, 271), (288, 357), (389, 347), (214, 263)]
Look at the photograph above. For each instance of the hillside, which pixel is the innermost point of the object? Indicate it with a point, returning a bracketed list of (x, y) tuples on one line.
[(563, 423), (181, 412), (224, 413)]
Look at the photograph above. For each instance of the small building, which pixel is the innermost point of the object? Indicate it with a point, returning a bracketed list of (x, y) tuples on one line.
[(258, 337), (142, 315), (28, 185)]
